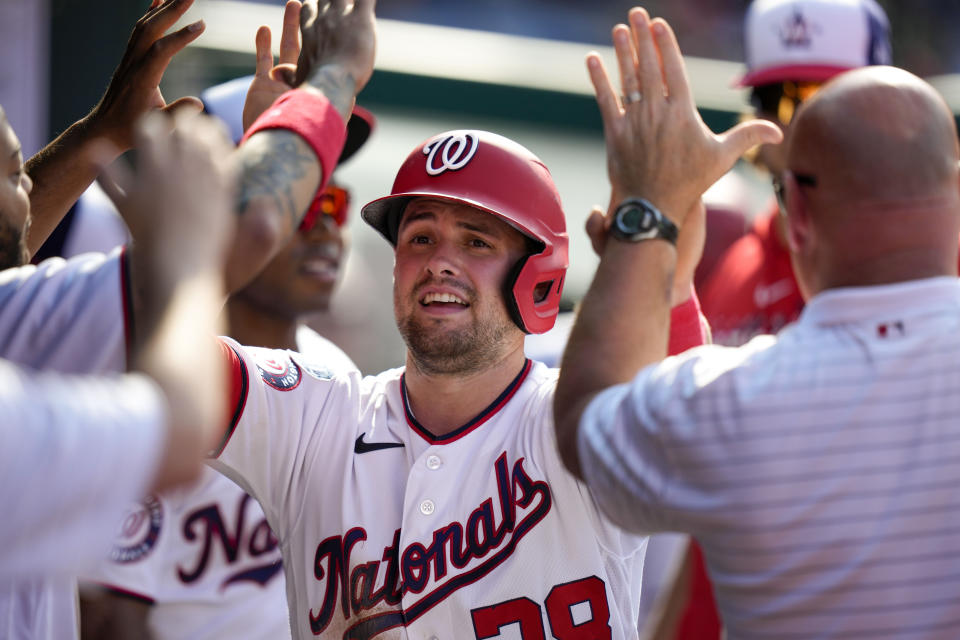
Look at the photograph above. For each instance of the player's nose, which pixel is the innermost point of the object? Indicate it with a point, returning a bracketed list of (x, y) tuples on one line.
[(443, 259)]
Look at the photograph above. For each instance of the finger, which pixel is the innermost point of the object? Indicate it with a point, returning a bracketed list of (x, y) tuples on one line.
[(626, 59), (606, 97), (263, 41), (674, 71), (188, 104), (163, 50), (648, 60), (747, 135), (308, 13), (596, 230), (290, 37), (155, 25)]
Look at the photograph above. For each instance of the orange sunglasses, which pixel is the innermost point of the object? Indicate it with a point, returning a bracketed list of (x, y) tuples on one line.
[(334, 201)]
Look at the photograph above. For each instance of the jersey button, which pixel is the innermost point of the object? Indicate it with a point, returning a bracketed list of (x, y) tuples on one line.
[(427, 507), (434, 462)]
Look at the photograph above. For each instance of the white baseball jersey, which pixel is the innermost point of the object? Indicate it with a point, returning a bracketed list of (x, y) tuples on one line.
[(204, 556), (818, 468), (387, 530), (206, 560), (65, 316)]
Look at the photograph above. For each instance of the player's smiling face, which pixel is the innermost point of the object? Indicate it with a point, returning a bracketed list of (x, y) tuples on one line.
[(14, 199), (451, 263)]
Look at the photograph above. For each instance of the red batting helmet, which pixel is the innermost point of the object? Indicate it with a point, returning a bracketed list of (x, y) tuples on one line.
[(496, 175)]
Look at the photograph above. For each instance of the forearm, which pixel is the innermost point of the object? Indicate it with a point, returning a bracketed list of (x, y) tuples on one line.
[(279, 177), (606, 349), (61, 172), (181, 354)]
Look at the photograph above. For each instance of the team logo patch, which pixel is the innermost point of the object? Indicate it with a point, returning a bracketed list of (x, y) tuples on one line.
[(451, 152), (139, 531), (798, 32), (277, 369)]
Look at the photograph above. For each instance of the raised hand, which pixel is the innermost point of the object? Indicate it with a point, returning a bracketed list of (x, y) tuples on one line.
[(135, 86), (339, 45), (269, 81), (658, 147)]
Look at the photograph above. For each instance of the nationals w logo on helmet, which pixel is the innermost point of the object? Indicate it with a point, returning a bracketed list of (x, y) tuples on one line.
[(455, 151)]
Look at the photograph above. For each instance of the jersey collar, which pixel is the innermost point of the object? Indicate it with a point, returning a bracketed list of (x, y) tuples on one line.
[(469, 427)]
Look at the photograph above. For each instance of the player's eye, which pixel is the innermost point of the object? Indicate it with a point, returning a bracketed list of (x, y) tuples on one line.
[(478, 243)]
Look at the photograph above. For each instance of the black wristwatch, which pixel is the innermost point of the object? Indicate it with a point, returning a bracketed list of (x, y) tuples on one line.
[(636, 219)]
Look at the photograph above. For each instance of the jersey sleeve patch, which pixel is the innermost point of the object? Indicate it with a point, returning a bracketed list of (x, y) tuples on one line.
[(277, 369)]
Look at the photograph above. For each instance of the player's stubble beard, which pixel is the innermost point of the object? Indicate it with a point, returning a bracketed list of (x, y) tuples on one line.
[(437, 350), (13, 245)]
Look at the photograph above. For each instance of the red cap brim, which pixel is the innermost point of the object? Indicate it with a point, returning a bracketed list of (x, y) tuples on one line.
[(791, 73)]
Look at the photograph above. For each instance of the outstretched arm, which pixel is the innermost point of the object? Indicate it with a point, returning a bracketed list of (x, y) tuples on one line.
[(63, 169), (177, 205), (658, 148), (281, 170)]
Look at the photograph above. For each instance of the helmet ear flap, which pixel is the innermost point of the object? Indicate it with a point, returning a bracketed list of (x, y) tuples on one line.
[(508, 296), (532, 292)]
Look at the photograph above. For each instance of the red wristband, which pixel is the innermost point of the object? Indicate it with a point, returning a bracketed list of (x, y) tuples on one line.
[(686, 328), (313, 118)]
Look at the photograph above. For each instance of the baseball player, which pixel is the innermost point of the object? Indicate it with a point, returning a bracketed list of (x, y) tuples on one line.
[(429, 500)]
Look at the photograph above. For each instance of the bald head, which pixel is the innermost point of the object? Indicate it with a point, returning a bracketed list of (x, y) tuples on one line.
[(882, 200), (876, 135)]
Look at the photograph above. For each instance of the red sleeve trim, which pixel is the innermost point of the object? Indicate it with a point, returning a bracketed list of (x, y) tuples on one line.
[(312, 117), (239, 386), (126, 296), (686, 329), (124, 593)]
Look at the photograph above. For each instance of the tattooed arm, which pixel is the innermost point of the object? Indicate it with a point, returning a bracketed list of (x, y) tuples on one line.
[(280, 173)]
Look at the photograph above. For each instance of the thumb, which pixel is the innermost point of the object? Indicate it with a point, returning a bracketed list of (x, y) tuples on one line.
[(187, 103), (747, 135), (596, 229)]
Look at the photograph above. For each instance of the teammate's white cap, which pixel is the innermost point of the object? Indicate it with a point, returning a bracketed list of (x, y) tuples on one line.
[(812, 40)]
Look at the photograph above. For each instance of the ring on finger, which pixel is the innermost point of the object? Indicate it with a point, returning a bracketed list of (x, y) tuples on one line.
[(630, 98)]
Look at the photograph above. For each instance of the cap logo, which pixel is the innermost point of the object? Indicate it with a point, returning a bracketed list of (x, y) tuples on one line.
[(450, 153), (797, 32)]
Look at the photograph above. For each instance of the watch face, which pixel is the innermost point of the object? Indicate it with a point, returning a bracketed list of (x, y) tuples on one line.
[(636, 220)]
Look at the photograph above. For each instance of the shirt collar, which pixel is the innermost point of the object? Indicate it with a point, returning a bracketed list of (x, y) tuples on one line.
[(855, 304)]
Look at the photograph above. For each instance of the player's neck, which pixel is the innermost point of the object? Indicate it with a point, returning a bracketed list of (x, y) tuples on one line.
[(251, 326), (443, 403)]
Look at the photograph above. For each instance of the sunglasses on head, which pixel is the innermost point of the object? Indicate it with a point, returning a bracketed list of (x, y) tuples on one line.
[(781, 100), (334, 201)]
